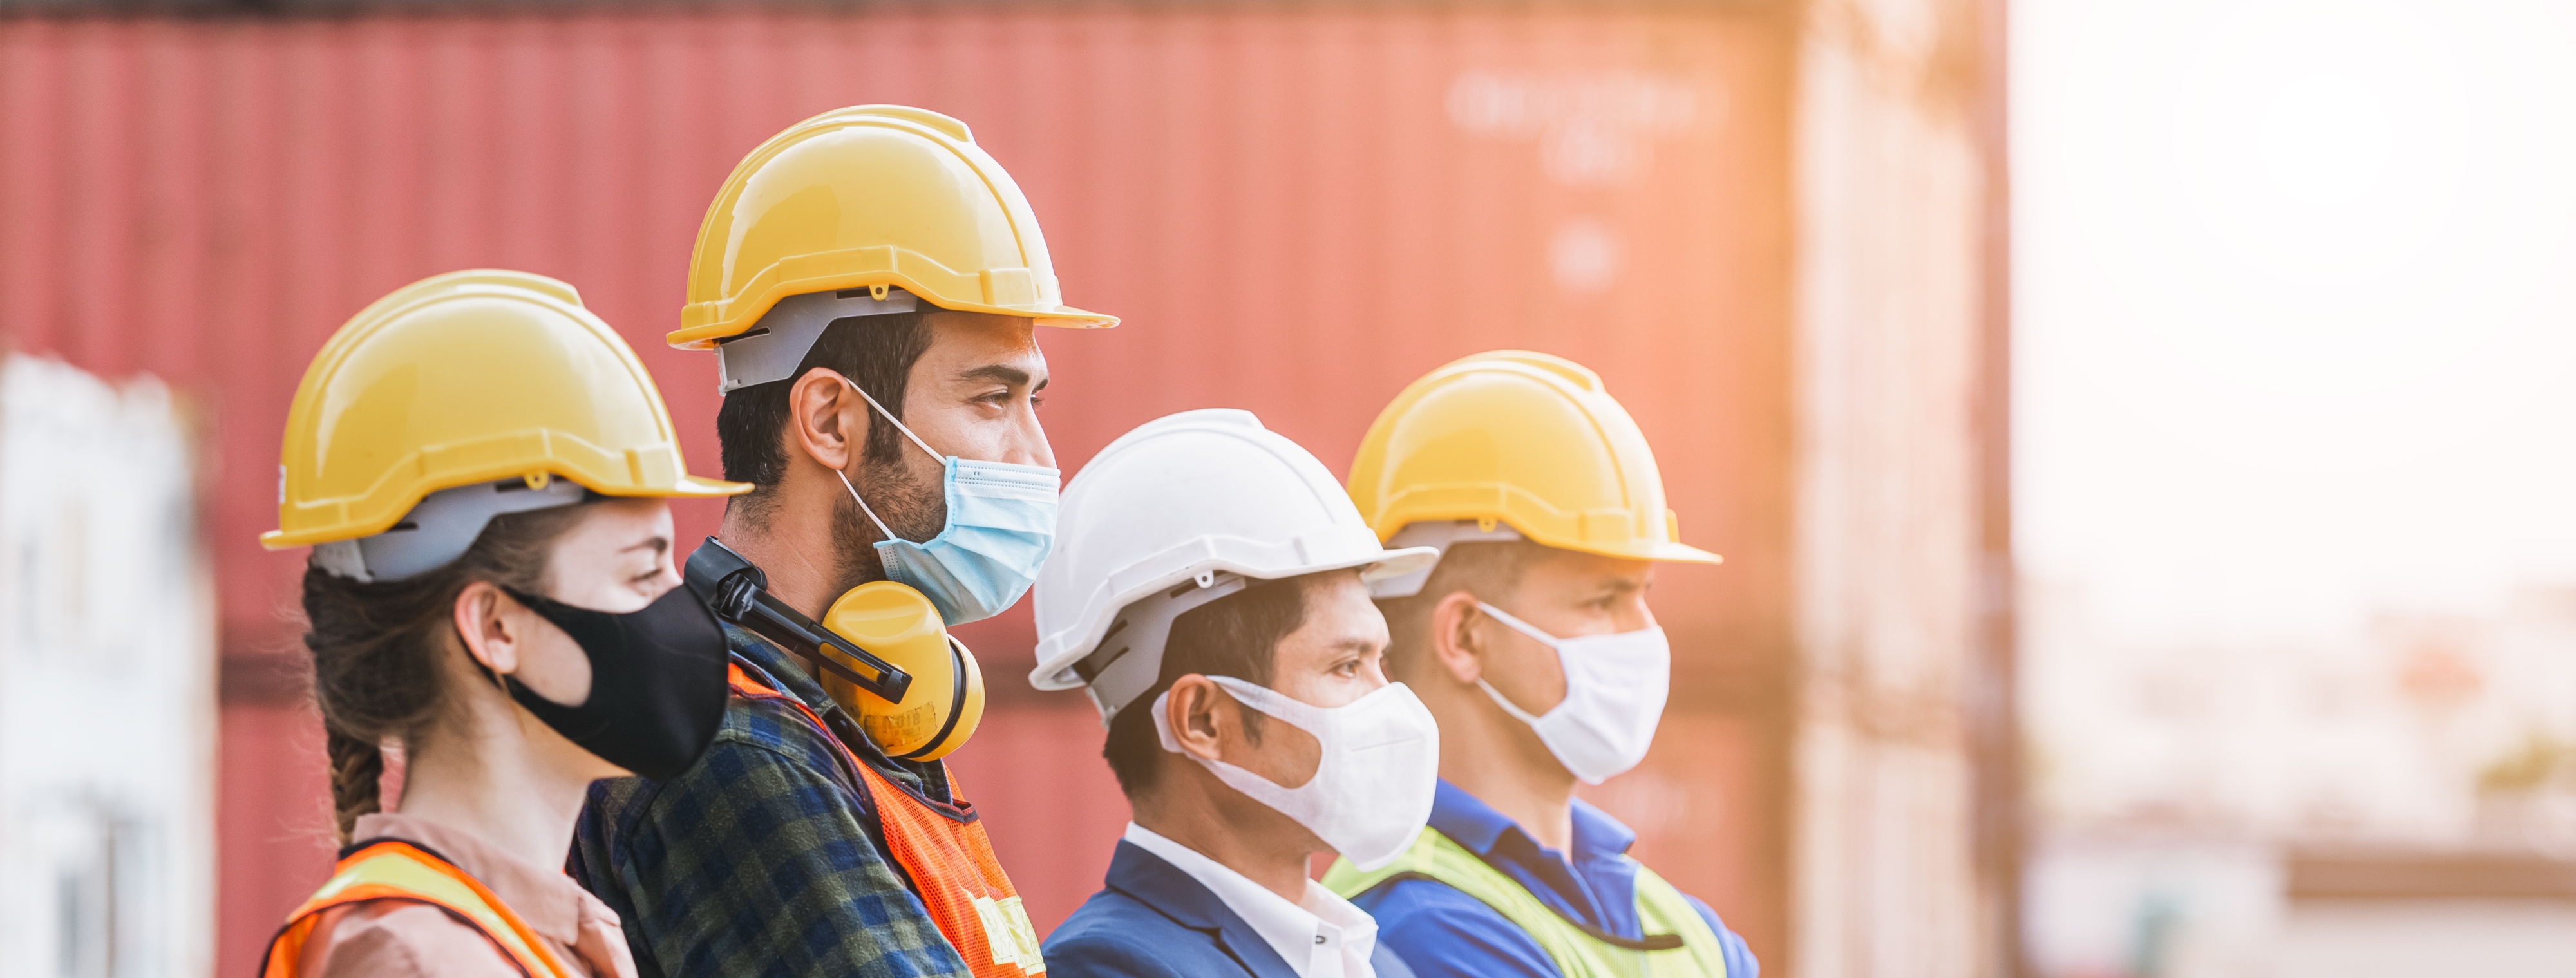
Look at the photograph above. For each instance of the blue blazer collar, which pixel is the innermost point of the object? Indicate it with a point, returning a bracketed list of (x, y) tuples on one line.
[(1175, 894)]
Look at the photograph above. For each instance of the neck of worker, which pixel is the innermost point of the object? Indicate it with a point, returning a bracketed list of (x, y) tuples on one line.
[(793, 540), (1193, 808), (1487, 753), (501, 775)]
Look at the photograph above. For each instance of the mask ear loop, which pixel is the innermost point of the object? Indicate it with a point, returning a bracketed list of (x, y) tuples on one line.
[(863, 504), (898, 426), (1522, 627), (890, 419), (1542, 638)]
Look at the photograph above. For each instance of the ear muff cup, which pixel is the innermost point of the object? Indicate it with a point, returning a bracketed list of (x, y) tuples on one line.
[(946, 700)]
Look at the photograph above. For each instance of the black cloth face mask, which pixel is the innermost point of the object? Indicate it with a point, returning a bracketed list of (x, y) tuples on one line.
[(657, 682)]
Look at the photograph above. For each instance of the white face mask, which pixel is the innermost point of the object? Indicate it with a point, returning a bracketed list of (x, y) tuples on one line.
[(1615, 686), (1372, 792)]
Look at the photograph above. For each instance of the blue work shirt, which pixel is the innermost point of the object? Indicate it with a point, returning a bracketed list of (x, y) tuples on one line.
[(1444, 933)]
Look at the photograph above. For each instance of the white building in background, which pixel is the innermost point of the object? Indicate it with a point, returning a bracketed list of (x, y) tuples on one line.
[(107, 685), (2178, 790)]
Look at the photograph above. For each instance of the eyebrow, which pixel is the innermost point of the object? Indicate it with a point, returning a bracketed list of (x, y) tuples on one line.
[(659, 545), (1004, 373)]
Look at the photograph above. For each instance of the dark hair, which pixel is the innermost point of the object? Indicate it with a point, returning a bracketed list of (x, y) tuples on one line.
[(1489, 569), (875, 352), (378, 649), (1237, 635)]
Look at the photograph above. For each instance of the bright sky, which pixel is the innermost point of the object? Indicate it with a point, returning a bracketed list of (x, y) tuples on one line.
[(2296, 306)]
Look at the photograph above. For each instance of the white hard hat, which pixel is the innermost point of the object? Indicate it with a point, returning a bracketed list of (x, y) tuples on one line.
[(1177, 513)]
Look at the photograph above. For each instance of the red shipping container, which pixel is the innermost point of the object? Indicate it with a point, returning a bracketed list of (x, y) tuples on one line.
[(1296, 212)]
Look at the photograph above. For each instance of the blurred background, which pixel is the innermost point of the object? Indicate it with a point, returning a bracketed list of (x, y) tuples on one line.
[(2134, 428)]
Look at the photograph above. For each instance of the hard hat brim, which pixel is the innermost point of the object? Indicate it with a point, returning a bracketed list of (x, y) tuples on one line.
[(741, 319), (1683, 553), (1400, 562), (1668, 552), (689, 487)]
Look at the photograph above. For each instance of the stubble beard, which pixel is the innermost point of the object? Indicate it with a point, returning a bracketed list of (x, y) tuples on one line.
[(913, 510)]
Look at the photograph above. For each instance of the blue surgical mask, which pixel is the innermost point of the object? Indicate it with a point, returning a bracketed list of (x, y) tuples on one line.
[(1001, 525)]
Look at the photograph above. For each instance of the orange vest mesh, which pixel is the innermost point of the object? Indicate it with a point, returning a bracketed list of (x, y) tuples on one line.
[(467, 900), (950, 862)]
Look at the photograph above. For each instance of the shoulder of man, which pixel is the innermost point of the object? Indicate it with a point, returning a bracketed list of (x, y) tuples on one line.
[(1441, 932), (1740, 962), (1388, 964), (755, 735), (1113, 935), (762, 855)]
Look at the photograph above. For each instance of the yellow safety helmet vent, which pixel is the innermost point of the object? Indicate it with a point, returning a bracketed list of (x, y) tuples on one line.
[(1512, 440), (878, 197), (484, 378)]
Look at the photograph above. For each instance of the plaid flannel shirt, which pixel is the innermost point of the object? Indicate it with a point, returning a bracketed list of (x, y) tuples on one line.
[(765, 857)]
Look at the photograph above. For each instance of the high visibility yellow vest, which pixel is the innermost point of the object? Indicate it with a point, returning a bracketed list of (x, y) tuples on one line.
[(1678, 942), (394, 870)]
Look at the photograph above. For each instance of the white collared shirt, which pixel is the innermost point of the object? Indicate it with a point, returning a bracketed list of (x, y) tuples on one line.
[(1321, 936)]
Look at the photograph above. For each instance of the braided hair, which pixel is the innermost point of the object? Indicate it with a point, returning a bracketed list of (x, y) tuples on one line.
[(378, 649)]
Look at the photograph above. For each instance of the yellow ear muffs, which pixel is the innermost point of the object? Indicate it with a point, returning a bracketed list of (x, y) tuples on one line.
[(946, 699)]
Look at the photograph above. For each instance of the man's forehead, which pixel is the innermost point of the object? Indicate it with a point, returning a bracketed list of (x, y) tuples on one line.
[(1572, 568), (970, 346), (1339, 614)]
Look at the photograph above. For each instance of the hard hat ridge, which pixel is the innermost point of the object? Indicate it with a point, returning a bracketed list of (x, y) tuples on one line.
[(873, 196), (1524, 441), (451, 386)]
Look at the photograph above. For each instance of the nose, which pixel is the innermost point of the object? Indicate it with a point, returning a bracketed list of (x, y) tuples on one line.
[(1029, 441), (1634, 615)]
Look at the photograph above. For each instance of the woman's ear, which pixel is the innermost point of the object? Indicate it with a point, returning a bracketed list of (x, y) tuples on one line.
[(826, 420), (1456, 647), (1193, 715), (484, 621)]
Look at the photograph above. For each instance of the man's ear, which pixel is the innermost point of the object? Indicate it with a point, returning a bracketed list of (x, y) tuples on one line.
[(825, 420), (1456, 645), (1192, 712), (483, 620)]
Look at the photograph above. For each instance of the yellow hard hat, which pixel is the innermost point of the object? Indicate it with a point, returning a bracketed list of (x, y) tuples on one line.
[(1514, 444), (871, 196), (465, 379)]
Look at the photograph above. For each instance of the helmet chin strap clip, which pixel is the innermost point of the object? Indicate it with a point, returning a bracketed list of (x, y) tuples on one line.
[(738, 591)]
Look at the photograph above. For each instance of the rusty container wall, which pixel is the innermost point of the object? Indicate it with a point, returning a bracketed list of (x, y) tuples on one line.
[(1297, 212), (1903, 636)]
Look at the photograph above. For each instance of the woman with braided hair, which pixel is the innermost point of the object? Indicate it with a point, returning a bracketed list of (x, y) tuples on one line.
[(481, 467)]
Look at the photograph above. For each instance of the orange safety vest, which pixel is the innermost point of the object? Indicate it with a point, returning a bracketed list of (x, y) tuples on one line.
[(949, 859), (395, 870)]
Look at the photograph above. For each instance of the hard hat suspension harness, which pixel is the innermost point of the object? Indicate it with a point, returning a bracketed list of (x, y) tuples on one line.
[(1129, 660), (771, 350), (1438, 535), (738, 591), (441, 527)]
